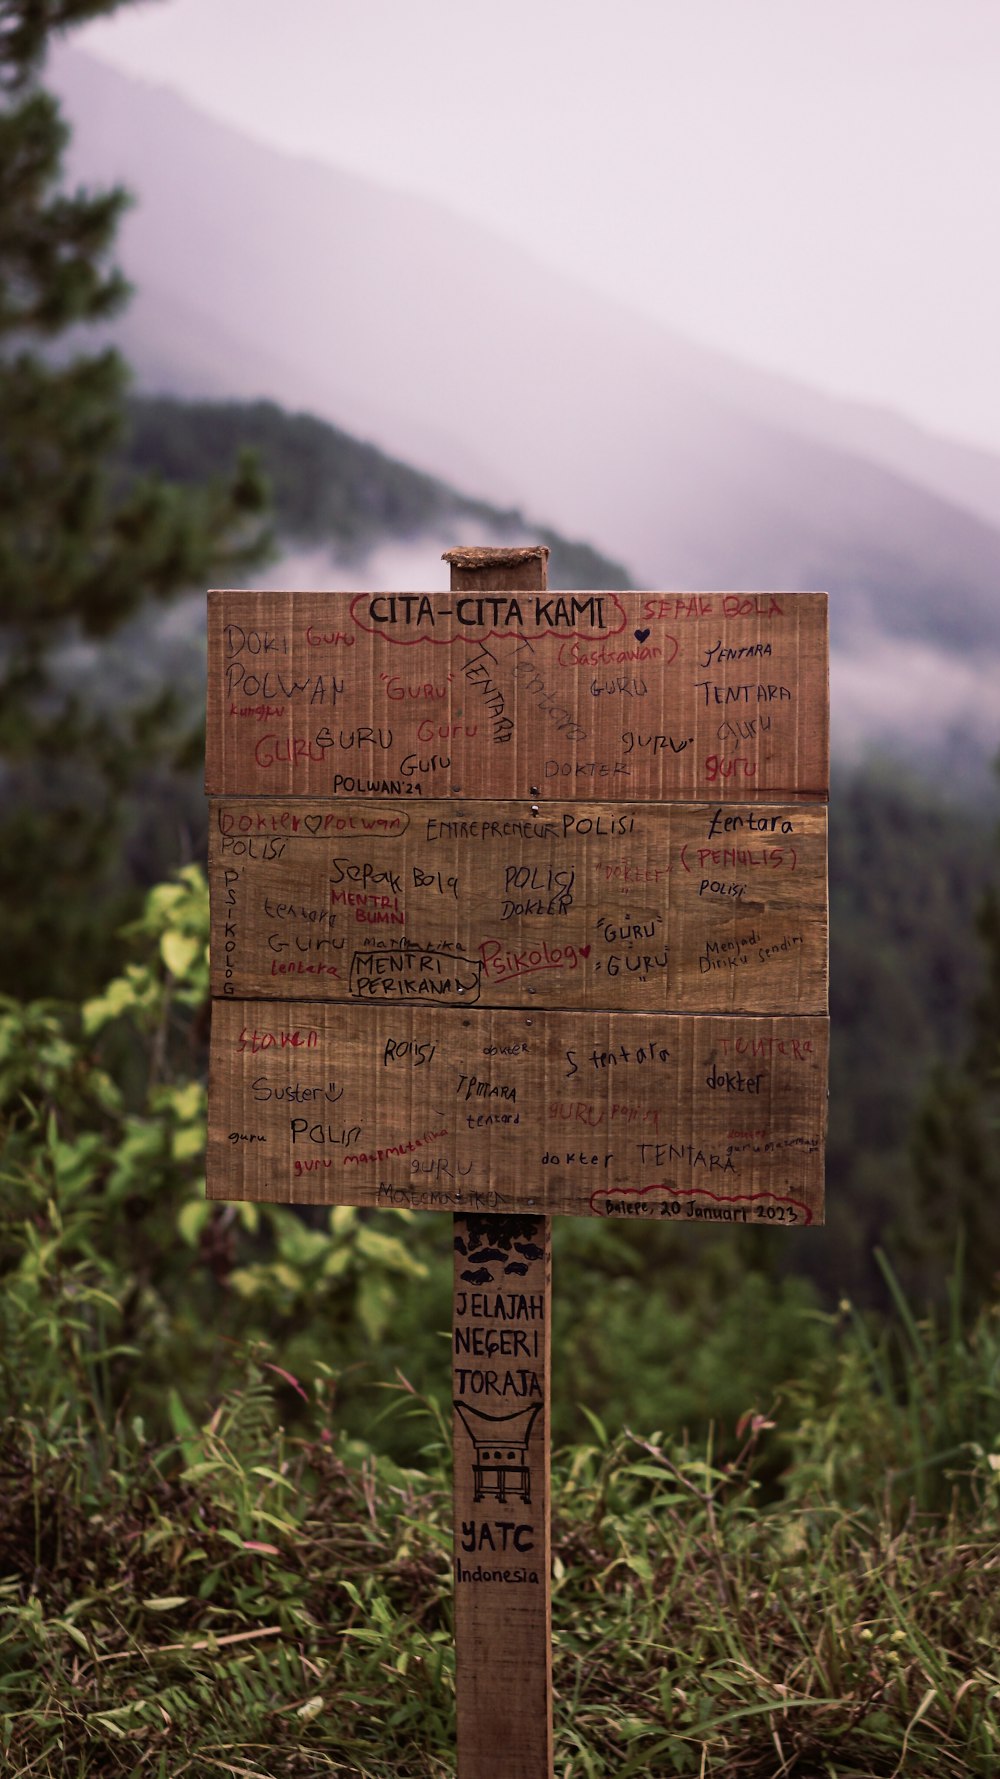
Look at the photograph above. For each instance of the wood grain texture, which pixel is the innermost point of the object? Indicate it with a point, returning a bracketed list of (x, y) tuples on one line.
[(525, 695), (689, 907), (500, 1389), (503, 1641), (624, 1115)]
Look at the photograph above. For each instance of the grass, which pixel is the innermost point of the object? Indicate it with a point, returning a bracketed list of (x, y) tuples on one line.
[(245, 1602)]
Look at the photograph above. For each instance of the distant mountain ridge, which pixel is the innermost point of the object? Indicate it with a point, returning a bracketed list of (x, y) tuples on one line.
[(262, 275), (334, 491), (344, 515)]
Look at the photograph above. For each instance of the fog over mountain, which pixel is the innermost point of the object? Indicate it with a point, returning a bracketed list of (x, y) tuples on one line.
[(262, 275)]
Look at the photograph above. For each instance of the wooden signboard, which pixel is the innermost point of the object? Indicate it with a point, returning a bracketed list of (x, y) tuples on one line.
[(582, 696), (623, 1115), (699, 907), (421, 995), (518, 907)]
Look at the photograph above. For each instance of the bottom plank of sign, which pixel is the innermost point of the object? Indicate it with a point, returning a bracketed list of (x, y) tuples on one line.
[(710, 1119)]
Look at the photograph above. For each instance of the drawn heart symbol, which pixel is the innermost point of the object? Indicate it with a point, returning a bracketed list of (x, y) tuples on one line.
[(641, 635), (584, 950), (313, 823)]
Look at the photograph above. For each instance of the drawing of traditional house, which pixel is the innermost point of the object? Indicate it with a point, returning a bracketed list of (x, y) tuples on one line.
[(500, 1442)]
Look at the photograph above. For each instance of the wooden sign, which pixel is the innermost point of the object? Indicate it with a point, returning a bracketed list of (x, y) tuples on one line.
[(691, 907), (630, 1116), (526, 695), (559, 993), (518, 907)]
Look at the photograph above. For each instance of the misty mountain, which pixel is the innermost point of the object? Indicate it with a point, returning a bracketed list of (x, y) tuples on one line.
[(333, 492), (344, 515), (259, 274)]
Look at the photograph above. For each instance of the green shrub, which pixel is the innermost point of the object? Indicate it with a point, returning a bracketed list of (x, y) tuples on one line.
[(123, 1288)]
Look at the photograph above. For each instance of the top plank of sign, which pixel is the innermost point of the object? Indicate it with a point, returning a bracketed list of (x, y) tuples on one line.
[(648, 696)]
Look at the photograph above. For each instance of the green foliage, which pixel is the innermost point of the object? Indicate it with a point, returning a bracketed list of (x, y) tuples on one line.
[(109, 1247), (240, 1599), (661, 1328), (226, 1601), (903, 1407)]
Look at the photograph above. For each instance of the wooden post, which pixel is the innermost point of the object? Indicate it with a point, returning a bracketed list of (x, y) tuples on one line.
[(501, 1322), (724, 829)]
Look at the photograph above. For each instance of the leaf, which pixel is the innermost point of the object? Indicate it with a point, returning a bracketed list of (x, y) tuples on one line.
[(192, 1218), (166, 1602), (188, 1145), (375, 1302), (271, 1475), (178, 951), (921, 1712), (389, 1251), (117, 998), (180, 1420), (271, 1519), (286, 1276), (246, 1280), (289, 1379), (640, 1566), (183, 1426), (300, 1246), (188, 1102), (597, 1424)]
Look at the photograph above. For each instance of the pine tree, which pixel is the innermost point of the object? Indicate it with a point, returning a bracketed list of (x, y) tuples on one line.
[(82, 547)]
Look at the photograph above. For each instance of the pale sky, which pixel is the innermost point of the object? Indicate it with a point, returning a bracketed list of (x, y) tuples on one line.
[(811, 185)]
